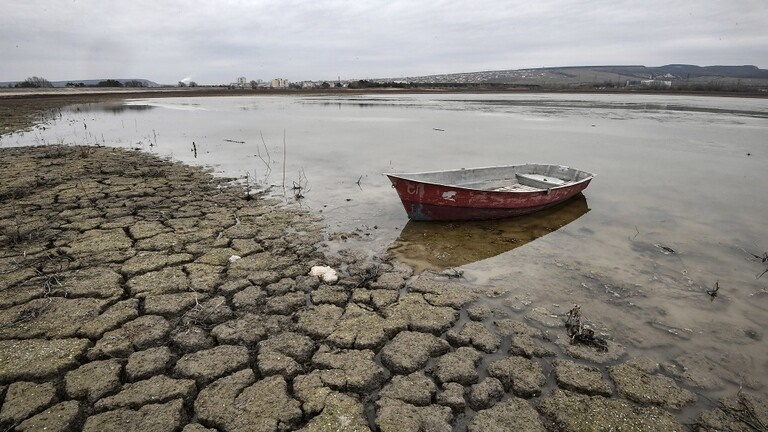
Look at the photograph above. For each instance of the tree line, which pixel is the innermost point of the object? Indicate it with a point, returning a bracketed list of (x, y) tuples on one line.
[(40, 82)]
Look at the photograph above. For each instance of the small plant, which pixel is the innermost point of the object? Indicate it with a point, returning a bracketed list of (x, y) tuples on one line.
[(301, 186)]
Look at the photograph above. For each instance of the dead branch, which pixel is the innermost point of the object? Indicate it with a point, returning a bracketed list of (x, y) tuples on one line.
[(198, 315), (29, 314), (453, 273), (369, 275), (268, 161), (284, 159), (744, 412), (713, 292), (757, 258), (581, 334), (666, 250)]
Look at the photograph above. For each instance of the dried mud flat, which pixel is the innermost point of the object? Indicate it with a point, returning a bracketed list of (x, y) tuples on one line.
[(142, 295)]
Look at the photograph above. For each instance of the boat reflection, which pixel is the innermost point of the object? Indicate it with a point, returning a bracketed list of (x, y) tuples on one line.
[(441, 245)]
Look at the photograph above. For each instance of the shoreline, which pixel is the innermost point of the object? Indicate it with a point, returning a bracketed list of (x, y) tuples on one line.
[(137, 288), (201, 91)]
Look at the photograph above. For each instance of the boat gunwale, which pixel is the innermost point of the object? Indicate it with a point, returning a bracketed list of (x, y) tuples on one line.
[(401, 176)]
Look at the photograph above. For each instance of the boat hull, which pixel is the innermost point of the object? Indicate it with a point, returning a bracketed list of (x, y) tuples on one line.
[(425, 201)]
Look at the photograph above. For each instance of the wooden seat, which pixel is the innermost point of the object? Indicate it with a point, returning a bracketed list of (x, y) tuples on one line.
[(540, 181)]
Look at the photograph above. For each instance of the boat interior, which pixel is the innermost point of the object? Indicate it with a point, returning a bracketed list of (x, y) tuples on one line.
[(517, 178)]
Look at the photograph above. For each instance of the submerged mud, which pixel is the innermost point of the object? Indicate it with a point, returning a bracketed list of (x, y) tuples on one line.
[(140, 294)]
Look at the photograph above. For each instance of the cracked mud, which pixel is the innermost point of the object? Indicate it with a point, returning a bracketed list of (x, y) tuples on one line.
[(121, 310)]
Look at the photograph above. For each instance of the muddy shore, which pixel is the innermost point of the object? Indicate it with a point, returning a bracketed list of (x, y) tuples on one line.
[(140, 294)]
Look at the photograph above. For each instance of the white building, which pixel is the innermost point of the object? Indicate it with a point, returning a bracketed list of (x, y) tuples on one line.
[(656, 83), (279, 83)]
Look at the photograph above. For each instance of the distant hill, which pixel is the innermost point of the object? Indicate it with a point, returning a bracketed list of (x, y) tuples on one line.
[(93, 82), (615, 76), (681, 71)]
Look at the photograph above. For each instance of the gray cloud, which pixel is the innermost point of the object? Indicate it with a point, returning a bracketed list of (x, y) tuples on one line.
[(213, 42)]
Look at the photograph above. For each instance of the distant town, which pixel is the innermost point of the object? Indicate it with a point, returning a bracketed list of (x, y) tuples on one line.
[(669, 77)]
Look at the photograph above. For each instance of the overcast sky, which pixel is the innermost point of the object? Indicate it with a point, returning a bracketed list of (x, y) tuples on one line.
[(213, 42)]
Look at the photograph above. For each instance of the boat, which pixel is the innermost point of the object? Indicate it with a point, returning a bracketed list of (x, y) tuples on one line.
[(487, 193)]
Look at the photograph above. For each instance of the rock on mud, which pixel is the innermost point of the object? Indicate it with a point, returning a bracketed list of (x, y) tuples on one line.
[(396, 416), (570, 375), (348, 370), (341, 412), (158, 389), (513, 414), (23, 399), (208, 365), (739, 412), (420, 315), (239, 403), (410, 351), (452, 395), (167, 417), (458, 366), (62, 417), (144, 332), (144, 364), (94, 380), (415, 389), (39, 358), (475, 334), (643, 384), (520, 375), (575, 413), (362, 328), (485, 394)]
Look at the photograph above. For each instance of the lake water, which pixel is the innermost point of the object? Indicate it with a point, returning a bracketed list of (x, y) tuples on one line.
[(673, 173)]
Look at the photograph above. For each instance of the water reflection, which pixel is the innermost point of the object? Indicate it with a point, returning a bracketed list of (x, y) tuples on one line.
[(108, 107), (542, 106), (441, 245), (558, 106), (360, 103)]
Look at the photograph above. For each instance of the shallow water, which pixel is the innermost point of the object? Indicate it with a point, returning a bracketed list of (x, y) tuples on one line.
[(680, 173)]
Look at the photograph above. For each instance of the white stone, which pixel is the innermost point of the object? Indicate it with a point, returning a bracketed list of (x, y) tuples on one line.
[(327, 274)]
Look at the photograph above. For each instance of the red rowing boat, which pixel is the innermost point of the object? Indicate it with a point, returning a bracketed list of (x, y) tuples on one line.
[(487, 193)]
